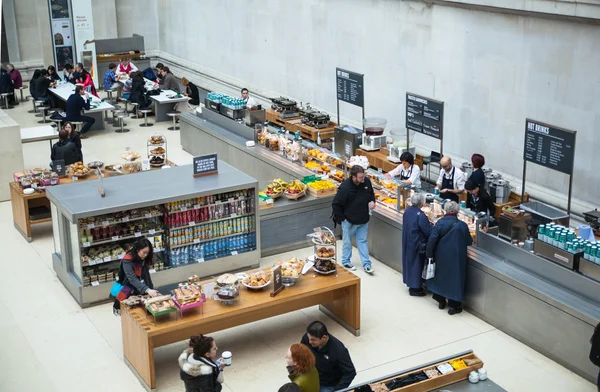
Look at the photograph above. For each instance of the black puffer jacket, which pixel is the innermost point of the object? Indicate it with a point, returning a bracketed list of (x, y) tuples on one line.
[(351, 202), (199, 375)]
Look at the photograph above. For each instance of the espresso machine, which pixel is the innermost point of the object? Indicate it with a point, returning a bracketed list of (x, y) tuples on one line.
[(347, 140), (285, 107)]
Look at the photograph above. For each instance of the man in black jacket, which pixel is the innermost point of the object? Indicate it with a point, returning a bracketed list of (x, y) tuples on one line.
[(351, 207), (75, 104), (39, 88), (332, 360)]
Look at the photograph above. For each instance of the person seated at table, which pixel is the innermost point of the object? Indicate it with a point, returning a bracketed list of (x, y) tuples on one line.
[(39, 88), (110, 77), (138, 92), (84, 78), (52, 75), (169, 81), (157, 69), (69, 74), (77, 102), (125, 67), (64, 149), (17, 80), (126, 86), (149, 73), (73, 136), (6, 86), (190, 91)]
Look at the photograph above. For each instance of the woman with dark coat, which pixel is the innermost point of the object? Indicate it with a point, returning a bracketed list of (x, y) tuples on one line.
[(447, 245), (75, 137), (134, 274), (416, 229), (138, 91), (52, 75), (200, 370), (478, 176)]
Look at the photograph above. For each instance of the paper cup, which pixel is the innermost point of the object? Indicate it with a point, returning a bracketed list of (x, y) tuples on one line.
[(227, 358)]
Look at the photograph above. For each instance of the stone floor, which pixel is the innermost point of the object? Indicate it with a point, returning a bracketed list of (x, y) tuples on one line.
[(50, 344)]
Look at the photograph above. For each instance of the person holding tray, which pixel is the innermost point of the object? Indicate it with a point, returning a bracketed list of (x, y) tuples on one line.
[(134, 276)]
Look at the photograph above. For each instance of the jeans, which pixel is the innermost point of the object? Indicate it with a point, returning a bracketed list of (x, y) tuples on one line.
[(360, 232), (327, 389)]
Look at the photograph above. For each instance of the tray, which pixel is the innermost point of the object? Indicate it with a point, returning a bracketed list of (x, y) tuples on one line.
[(162, 312), (189, 306), (321, 192)]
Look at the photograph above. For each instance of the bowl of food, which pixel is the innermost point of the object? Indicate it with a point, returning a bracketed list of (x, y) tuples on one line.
[(291, 270), (324, 266), (325, 251), (79, 170), (257, 280), (95, 165)]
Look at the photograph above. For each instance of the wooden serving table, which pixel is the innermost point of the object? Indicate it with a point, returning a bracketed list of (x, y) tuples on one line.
[(22, 203), (338, 297)]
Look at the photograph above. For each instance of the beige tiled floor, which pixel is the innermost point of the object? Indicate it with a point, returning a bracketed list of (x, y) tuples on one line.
[(48, 343)]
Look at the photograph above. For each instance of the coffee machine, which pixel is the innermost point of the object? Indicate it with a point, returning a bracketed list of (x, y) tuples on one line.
[(373, 142), (347, 140)]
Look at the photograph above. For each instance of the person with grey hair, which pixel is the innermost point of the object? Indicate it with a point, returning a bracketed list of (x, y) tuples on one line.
[(416, 229), (17, 81), (447, 245)]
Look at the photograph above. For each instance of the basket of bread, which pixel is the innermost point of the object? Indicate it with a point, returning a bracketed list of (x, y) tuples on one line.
[(160, 305), (79, 170), (257, 281)]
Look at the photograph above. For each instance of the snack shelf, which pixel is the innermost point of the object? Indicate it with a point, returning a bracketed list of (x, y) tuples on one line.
[(194, 224), (120, 238), (107, 260), (118, 221), (198, 206), (197, 241)]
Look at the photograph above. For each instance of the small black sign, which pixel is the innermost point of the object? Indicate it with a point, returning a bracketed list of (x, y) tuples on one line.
[(277, 280), (425, 115), (350, 86), (59, 168), (549, 146), (206, 165)]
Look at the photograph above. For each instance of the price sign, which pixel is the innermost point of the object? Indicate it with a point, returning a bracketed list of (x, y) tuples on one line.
[(115, 238), (125, 219), (196, 240), (59, 167), (138, 234), (549, 146), (121, 255), (95, 283), (108, 258), (206, 165), (192, 223), (152, 271), (349, 86), (151, 231), (145, 164), (234, 253), (277, 281), (86, 244), (201, 260), (148, 215), (91, 226), (183, 209), (92, 262), (105, 223), (74, 179), (424, 115), (234, 215)]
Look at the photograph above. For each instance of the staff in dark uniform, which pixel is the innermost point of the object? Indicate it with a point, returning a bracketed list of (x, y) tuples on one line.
[(479, 200), (451, 181), (477, 160)]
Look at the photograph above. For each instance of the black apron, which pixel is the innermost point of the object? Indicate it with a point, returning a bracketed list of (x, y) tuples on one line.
[(448, 183), (407, 177)]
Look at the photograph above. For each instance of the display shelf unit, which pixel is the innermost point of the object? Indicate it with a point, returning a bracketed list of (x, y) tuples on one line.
[(73, 203)]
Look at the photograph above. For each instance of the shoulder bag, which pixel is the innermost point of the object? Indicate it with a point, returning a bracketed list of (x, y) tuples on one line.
[(429, 268)]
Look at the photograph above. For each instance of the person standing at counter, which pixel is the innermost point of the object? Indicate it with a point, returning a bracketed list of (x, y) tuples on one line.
[(447, 246), (333, 362), (477, 161), (75, 104), (409, 173), (478, 200), (416, 229), (134, 276), (451, 182), (351, 205), (250, 102)]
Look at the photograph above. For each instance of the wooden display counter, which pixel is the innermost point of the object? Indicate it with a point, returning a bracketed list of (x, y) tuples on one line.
[(22, 203), (294, 124), (338, 296)]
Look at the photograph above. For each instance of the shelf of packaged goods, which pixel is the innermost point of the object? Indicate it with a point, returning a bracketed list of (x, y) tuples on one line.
[(194, 224), (111, 281), (198, 206), (122, 220), (105, 260), (120, 238), (198, 241)]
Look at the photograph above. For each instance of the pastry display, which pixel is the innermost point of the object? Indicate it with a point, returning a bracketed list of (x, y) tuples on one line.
[(158, 150), (227, 287), (323, 236), (131, 156), (132, 167), (187, 294), (324, 265), (157, 161), (156, 139), (160, 303), (78, 169), (257, 280), (325, 252), (292, 268)]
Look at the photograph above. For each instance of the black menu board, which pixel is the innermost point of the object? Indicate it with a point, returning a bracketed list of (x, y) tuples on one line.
[(59, 168), (549, 146), (424, 115), (205, 165), (349, 87)]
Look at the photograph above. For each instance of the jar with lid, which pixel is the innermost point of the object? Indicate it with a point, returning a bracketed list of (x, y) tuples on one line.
[(26, 181), (53, 178)]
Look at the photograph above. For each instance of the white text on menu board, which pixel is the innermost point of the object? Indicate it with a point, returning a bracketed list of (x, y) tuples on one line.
[(538, 128)]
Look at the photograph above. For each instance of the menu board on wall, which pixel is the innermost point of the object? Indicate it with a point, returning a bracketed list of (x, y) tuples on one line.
[(350, 87), (424, 115), (549, 146)]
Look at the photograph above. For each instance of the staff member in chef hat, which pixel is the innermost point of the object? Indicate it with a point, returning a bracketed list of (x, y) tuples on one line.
[(451, 181), (250, 102)]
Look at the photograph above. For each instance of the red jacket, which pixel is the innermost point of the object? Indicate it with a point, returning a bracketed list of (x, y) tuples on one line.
[(15, 76)]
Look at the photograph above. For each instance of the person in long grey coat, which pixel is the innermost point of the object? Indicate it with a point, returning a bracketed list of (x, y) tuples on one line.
[(447, 246), (415, 230)]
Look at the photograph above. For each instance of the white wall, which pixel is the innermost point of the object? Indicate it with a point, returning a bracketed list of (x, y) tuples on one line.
[(140, 17), (493, 70)]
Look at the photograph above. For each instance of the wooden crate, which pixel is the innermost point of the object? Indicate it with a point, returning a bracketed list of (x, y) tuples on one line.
[(273, 117), (440, 381), (321, 192), (311, 133)]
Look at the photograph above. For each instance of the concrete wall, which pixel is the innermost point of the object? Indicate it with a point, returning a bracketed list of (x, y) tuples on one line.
[(140, 17), (493, 70)]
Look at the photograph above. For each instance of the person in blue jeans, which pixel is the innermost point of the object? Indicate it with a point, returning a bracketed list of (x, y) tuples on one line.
[(351, 208)]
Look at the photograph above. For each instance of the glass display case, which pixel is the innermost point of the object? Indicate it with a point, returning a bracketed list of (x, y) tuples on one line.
[(198, 227)]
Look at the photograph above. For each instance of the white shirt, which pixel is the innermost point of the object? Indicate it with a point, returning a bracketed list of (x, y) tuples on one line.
[(459, 178), (251, 102), (133, 69), (413, 173)]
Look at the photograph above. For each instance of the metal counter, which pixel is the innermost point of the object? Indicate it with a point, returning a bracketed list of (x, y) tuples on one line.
[(290, 221)]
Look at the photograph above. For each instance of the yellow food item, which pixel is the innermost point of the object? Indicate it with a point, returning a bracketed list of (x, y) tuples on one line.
[(458, 364), (312, 165), (321, 185), (325, 168)]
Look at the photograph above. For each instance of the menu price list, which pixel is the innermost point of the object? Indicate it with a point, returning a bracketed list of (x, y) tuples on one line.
[(206, 164), (350, 87), (424, 115), (549, 146)]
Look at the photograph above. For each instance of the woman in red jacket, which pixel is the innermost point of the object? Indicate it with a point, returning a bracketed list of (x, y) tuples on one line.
[(84, 78)]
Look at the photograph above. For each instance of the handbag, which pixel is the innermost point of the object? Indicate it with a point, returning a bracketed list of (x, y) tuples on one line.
[(428, 270), (116, 289)]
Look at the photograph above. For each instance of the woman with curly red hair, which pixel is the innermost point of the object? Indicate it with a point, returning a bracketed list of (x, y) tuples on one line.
[(301, 368)]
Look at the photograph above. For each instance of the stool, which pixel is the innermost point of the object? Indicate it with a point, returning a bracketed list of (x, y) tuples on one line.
[(5, 99), (174, 114), (126, 101), (38, 104), (121, 117), (109, 95), (30, 98), (44, 109), (115, 113), (57, 123), (76, 125), (135, 105), (146, 123), (21, 91), (434, 157), (108, 119)]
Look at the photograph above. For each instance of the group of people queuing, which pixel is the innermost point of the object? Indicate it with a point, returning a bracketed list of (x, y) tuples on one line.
[(319, 363)]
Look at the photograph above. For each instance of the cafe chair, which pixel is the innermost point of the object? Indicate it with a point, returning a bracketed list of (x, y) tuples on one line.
[(77, 125), (134, 109), (115, 113), (109, 95), (434, 158), (146, 123), (5, 99), (121, 116), (112, 119), (21, 91), (30, 98), (44, 110), (38, 104), (174, 115), (56, 120), (125, 101)]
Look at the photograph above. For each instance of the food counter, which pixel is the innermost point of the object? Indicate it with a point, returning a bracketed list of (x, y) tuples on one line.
[(198, 226), (338, 296)]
